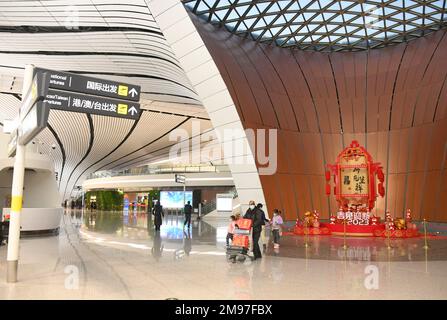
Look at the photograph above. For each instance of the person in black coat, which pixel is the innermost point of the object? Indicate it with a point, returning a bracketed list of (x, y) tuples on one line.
[(257, 218), (188, 212), (158, 214), (263, 240)]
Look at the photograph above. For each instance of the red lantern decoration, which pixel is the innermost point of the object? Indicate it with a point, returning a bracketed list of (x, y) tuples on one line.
[(380, 175), (328, 175), (381, 189), (332, 219), (328, 189), (355, 175)]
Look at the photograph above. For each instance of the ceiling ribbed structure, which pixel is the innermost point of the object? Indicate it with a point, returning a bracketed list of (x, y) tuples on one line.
[(99, 38), (325, 25), (103, 39)]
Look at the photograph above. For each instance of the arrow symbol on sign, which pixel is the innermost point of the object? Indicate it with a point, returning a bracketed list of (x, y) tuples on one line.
[(133, 111), (133, 92)]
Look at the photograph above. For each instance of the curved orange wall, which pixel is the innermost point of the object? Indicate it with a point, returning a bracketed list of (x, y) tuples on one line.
[(392, 100)]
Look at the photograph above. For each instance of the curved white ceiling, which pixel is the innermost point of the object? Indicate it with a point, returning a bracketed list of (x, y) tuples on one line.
[(114, 41)]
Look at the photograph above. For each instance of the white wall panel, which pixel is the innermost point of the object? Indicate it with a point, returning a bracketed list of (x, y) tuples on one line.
[(210, 88)]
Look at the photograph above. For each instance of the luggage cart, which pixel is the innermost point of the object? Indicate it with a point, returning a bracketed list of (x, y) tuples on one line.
[(240, 245)]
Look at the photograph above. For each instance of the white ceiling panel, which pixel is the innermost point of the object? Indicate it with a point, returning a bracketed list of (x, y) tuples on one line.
[(106, 39)]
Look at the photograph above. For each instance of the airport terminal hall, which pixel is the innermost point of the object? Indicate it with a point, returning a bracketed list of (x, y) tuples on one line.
[(223, 150)]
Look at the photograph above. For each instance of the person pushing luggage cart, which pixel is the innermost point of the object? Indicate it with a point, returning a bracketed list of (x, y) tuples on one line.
[(240, 245)]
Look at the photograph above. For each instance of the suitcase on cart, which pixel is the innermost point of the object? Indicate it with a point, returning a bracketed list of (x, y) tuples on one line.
[(238, 250)]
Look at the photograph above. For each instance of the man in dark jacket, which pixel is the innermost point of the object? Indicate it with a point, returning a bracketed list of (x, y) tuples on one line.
[(157, 211), (188, 212), (257, 218)]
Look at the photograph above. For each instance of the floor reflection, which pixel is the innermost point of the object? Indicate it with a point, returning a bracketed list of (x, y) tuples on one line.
[(361, 249), (181, 242)]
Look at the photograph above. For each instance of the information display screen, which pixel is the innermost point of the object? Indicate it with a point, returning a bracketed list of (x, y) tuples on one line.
[(224, 203), (174, 199)]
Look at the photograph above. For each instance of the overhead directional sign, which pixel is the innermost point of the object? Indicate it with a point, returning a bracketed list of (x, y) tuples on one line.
[(36, 92), (33, 114), (77, 102), (70, 92), (179, 178), (34, 122), (99, 87)]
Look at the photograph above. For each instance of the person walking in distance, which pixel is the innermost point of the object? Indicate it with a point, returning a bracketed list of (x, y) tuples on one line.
[(188, 212), (255, 215), (158, 214)]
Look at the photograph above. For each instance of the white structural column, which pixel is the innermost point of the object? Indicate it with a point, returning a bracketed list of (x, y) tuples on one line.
[(186, 43)]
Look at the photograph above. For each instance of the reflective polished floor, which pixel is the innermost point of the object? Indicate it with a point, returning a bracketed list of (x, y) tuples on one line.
[(118, 255)]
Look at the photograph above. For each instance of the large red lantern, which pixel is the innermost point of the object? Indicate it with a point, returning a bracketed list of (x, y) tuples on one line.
[(355, 176)]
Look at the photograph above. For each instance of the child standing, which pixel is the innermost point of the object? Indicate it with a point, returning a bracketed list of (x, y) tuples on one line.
[(231, 228), (276, 227)]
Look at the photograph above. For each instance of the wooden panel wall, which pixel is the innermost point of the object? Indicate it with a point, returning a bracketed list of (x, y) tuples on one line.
[(392, 100)]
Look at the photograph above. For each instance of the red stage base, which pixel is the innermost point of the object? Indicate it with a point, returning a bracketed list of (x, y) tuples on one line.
[(354, 230), (398, 233), (299, 230)]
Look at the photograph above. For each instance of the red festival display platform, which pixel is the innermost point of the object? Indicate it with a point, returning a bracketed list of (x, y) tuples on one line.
[(408, 233), (379, 230), (353, 230), (300, 230), (358, 181)]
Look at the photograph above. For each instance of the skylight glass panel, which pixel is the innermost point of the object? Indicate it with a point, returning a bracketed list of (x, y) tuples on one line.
[(249, 22), (318, 24), (331, 27), (438, 4), (262, 6), (328, 15), (289, 16), (314, 6), (221, 14), (242, 10), (269, 18)]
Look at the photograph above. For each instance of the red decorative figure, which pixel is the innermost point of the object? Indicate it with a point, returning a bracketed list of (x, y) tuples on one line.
[(374, 221), (390, 224), (332, 219), (316, 222), (388, 216), (408, 216)]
